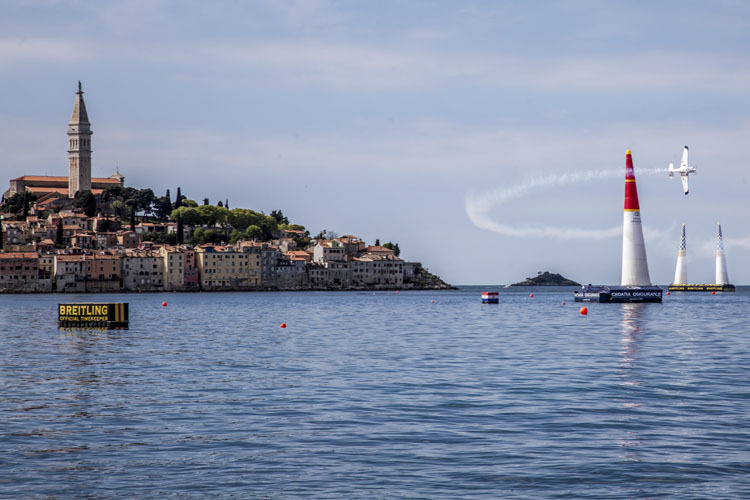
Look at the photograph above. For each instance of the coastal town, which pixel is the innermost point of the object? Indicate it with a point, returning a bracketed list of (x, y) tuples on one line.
[(86, 234)]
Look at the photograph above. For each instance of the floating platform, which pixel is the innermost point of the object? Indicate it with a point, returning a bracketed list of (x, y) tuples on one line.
[(702, 288), (93, 315), (606, 294), (490, 298)]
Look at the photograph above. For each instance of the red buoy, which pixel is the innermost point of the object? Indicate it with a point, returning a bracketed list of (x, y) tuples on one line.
[(563, 302), (584, 311), (433, 301), (713, 293), (164, 304), (531, 295), (668, 293), (283, 325)]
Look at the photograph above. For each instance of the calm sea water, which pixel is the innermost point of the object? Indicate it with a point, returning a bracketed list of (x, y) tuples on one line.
[(377, 395)]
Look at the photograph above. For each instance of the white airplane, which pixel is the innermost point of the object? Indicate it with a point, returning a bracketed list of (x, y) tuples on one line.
[(684, 170)]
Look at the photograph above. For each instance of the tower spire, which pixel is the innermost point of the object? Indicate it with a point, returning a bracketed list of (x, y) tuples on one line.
[(79, 147)]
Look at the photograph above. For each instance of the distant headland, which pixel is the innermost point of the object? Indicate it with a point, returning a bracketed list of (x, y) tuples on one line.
[(88, 234), (547, 278)]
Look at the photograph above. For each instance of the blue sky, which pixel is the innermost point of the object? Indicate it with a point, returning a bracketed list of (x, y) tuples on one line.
[(382, 119)]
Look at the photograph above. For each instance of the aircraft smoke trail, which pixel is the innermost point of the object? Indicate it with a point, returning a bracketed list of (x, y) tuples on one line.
[(478, 206)]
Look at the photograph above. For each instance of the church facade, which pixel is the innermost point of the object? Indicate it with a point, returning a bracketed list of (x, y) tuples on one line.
[(54, 191)]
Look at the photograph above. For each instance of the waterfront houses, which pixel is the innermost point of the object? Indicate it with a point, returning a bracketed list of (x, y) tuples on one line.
[(229, 268), (142, 270), (19, 271), (69, 273), (102, 272), (83, 259)]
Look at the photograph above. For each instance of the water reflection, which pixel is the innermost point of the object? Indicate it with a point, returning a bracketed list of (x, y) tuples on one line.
[(631, 339)]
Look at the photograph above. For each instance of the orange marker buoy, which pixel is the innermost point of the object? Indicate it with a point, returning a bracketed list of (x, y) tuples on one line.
[(164, 304), (531, 295), (283, 325), (584, 311)]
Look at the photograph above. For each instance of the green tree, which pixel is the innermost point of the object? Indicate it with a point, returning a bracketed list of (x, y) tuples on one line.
[(394, 247), (118, 207), (253, 232), (188, 203), (188, 215), (235, 236), (205, 201), (25, 212), (212, 215), (241, 218), (199, 236), (86, 201), (111, 193), (279, 217), (169, 198), (144, 200), (162, 208), (377, 242), (178, 200), (220, 204), (19, 203)]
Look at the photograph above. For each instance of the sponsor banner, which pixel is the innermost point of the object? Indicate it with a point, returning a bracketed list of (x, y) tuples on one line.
[(103, 315)]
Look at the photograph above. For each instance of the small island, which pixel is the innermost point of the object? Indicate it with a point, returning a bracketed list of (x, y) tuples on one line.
[(547, 278)]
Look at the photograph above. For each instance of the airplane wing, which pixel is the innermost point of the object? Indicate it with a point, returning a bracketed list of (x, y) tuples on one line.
[(684, 162), (684, 178)]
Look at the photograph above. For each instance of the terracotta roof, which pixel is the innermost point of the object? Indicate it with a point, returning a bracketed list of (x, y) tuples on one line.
[(45, 190), (373, 248), (102, 257), (19, 255), (70, 258)]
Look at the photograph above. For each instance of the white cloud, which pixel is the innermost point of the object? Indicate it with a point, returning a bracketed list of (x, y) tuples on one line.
[(45, 51)]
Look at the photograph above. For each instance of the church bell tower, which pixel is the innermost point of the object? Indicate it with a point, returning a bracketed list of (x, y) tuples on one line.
[(79, 147)]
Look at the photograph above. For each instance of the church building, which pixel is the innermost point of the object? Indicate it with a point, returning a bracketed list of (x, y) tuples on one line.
[(58, 191)]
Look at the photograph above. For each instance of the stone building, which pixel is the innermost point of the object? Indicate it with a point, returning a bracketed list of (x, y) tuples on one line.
[(102, 272), (70, 274), (19, 271), (142, 270)]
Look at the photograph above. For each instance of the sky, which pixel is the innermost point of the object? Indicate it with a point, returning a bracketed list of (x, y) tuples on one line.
[(390, 120)]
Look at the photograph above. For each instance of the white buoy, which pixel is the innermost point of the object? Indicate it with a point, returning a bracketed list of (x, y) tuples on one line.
[(722, 278), (680, 273), (634, 263)]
